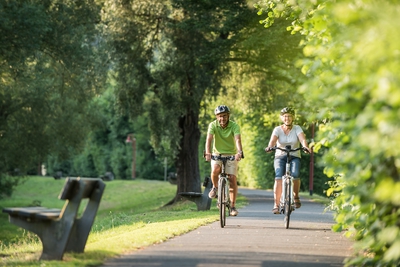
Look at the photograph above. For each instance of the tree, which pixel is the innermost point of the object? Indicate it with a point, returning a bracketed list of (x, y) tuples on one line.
[(50, 68), (168, 56), (352, 64)]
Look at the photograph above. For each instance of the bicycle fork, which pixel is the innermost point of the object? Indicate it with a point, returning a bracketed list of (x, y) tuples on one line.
[(224, 190), (286, 180)]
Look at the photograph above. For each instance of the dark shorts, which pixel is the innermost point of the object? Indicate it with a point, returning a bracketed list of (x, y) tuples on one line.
[(280, 167)]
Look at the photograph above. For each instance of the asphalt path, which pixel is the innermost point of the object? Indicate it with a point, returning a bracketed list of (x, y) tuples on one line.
[(256, 237)]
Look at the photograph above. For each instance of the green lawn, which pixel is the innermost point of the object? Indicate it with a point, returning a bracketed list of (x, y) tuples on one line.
[(131, 216)]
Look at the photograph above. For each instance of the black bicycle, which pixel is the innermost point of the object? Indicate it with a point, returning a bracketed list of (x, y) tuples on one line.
[(287, 200)]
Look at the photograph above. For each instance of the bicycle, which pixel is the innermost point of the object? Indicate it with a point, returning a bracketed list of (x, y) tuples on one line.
[(224, 201), (287, 199)]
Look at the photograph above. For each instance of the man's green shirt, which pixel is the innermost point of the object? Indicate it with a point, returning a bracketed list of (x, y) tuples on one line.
[(224, 139)]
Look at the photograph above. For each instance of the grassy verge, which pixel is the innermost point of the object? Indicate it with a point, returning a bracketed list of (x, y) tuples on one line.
[(131, 216)]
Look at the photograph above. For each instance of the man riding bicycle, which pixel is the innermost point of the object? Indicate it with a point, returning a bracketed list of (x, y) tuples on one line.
[(283, 135), (224, 136)]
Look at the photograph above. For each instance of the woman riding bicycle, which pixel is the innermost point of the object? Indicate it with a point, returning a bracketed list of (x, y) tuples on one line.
[(283, 135), (224, 137)]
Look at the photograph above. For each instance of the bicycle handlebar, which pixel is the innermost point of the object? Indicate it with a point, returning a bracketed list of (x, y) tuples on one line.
[(216, 157), (287, 149), (219, 157)]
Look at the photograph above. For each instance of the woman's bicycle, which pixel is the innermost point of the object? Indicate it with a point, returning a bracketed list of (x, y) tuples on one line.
[(224, 201), (287, 199)]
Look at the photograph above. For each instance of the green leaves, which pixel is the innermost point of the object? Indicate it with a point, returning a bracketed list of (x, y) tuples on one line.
[(351, 60), (51, 67)]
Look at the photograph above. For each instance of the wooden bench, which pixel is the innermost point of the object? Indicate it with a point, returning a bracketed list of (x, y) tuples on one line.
[(202, 200), (62, 231)]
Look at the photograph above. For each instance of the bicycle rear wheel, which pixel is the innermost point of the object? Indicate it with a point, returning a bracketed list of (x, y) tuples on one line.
[(288, 203), (222, 203)]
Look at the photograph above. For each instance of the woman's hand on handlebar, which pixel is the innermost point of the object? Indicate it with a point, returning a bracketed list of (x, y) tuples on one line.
[(269, 149)]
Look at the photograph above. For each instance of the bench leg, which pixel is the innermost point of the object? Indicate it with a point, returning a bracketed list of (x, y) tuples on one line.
[(83, 225), (204, 202), (205, 199), (53, 234)]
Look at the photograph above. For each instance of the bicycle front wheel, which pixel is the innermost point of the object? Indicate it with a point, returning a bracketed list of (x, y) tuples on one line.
[(288, 203), (222, 203)]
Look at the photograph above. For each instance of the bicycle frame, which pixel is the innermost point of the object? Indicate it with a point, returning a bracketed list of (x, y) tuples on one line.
[(287, 197), (224, 200), (287, 182)]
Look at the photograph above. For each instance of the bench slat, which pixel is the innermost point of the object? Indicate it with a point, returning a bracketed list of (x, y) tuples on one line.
[(16, 210), (42, 213)]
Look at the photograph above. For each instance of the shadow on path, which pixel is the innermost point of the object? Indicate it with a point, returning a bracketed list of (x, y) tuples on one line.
[(256, 237)]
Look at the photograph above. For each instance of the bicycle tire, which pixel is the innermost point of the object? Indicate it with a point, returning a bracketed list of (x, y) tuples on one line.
[(222, 203), (288, 204)]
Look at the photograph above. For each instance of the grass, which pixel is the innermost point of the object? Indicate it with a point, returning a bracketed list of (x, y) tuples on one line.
[(132, 215)]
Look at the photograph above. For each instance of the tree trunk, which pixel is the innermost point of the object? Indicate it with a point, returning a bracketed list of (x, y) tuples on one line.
[(187, 162)]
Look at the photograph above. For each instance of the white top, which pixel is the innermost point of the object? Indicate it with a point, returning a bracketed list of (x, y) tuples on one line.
[(290, 139)]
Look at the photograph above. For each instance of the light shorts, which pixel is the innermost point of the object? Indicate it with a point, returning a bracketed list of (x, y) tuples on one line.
[(230, 167), (280, 167)]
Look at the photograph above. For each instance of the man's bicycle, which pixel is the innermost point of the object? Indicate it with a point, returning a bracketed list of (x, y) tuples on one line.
[(224, 201), (287, 199)]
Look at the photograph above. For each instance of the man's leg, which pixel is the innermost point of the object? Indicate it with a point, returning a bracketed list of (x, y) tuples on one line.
[(216, 169), (233, 188)]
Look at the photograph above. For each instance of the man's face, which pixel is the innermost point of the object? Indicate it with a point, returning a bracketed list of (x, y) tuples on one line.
[(223, 119)]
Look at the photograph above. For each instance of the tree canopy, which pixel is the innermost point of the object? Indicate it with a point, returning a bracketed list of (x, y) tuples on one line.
[(50, 68)]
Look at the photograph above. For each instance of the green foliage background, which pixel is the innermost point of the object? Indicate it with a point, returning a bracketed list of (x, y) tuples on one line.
[(351, 61)]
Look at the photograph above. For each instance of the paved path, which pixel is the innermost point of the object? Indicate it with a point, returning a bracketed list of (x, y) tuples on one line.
[(256, 237)]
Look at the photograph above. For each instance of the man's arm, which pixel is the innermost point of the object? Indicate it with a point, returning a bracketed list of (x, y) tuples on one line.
[(208, 146), (238, 141)]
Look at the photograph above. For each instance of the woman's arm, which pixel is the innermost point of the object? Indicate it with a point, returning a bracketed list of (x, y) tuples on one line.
[(303, 141), (272, 143)]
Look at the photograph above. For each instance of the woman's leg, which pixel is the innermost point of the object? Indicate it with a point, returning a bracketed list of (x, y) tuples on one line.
[(296, 182), (296, 188), (277, 192)]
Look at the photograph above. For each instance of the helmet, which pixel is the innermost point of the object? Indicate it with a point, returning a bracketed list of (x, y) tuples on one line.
[(221, 109), (287, 110)]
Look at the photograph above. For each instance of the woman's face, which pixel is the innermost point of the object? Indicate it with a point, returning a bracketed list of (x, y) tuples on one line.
[(287, 119)]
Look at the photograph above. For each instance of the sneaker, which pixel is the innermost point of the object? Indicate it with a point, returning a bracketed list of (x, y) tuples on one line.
[(233, 212), (275, 210), (213, 193)]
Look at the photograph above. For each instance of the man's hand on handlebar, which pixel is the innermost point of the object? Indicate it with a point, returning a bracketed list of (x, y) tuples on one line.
[(207, 156)]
